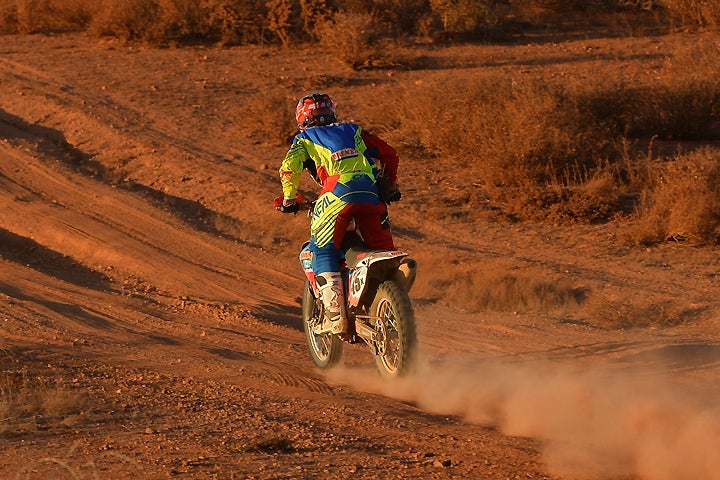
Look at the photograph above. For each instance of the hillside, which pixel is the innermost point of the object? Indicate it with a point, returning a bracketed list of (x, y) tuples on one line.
[(149, 294)]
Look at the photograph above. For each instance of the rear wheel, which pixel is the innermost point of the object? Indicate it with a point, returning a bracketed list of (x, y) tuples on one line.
[(396, 322), (326, 348)]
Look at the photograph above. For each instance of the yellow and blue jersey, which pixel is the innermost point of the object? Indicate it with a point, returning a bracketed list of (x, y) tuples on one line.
[(342, 163)]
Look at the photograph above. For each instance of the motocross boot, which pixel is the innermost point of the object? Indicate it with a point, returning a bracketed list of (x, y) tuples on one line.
[(332, 295)]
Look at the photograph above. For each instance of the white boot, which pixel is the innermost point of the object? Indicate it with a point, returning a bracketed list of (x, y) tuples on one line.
[(333, 298)]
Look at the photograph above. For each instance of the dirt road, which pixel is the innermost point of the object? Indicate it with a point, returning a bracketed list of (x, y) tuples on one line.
[(149, 303)]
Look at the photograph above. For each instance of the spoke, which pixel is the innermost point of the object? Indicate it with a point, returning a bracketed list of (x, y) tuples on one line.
[(391, 334)]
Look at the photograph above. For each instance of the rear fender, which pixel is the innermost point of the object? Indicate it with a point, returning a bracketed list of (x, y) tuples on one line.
[(358, 276)]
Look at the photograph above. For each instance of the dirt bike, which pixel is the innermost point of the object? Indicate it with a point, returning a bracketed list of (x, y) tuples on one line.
[(379, 309)]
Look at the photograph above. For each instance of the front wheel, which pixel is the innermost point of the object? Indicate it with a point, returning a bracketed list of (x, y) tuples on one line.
[(395, 319), (326, 348)]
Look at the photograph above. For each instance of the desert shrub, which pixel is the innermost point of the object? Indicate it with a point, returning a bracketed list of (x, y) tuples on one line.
[(614, 314), (9, 22), (128, 19), (353, 38), (538, 10), (180, 19), (682, 200), (526, 142), (314, 14), (513, 133), (398, 17), (164, 21), (404, 17), (8, 17), (558, 12), (694, 13), (682, 102), (225, 21), (498, 286), (234, 22), (465, 16), (31, 16), (27, 400), (282, 18), (541, 148), (595, 200), (248, 21), (636, 4), (677, 110)]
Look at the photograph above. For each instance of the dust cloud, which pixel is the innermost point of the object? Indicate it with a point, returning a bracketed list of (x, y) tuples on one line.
[(593, 424)]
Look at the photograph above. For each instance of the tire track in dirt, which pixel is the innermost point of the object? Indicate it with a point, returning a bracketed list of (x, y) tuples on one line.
[(90, 222), (45, 97), (55, 112), (288, 378), (170, 331)]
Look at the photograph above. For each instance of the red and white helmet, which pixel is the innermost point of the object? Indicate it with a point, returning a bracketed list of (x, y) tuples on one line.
[(314, 110)]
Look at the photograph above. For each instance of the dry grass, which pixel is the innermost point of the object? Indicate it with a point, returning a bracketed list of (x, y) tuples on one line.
[(31, 16), (682, 200), (361, 41), (534, 148), (532, 145), (29, 402), (230, 21), (506, 286), (495, 286), (693, 13), (570, 152), (616, 315)]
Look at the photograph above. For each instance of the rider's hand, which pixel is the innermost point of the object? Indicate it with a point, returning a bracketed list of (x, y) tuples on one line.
[(391, 194), (284, 205), (289, 206)]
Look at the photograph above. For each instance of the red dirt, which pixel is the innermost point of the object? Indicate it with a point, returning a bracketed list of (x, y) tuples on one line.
[(142, 268)]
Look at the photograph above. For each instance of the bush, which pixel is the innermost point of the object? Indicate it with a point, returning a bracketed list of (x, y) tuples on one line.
[(314, 15), (515, 133), (530, 144), (28, 401), (282, 15), (613, 314), (233, 22), (353, 38), (128, 20), (499, 286), (683, 102), (694, 13), (32, 16), (682, 201), (563, 152), (153, 21), (465, 16)]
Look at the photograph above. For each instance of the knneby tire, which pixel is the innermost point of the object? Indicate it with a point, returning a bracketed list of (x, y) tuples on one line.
[(396, 320), (325, 349)]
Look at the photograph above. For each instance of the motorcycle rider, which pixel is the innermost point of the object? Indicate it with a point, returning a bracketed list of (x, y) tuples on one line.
[(346, 160)]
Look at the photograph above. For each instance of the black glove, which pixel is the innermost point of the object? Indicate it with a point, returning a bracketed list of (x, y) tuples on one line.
[(292, 208), (388, 193), (392, 196)]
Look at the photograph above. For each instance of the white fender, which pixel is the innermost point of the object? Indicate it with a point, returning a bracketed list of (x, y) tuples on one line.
[(357, 281)]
